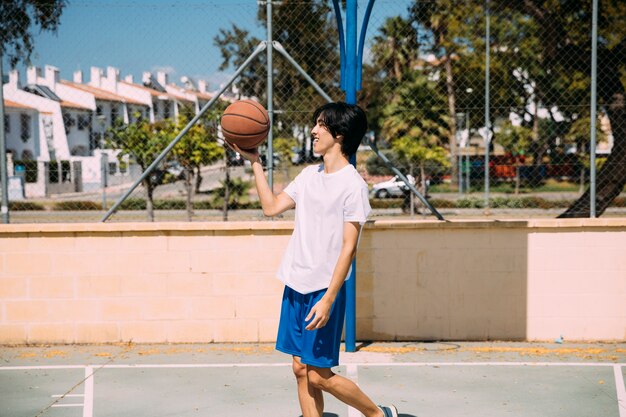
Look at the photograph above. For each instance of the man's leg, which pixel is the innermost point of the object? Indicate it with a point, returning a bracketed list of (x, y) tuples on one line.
[(343, 389), (311, 398)]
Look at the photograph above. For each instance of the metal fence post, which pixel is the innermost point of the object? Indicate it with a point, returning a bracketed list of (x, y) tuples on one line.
[(270, 97), (4, 183), (594, 79), (487, 122)]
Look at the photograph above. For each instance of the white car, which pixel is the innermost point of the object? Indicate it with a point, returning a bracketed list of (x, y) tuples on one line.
[(393, 188)]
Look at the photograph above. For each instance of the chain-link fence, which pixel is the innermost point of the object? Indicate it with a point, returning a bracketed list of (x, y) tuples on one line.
[(76, 142)]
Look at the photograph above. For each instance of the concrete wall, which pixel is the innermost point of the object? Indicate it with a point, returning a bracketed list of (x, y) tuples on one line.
[(417, 280)]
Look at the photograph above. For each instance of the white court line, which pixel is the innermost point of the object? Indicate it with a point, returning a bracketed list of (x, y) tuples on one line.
[(488, 364), (88, 401), (65, 396), (280, 364), (352, 372), (621, 391)]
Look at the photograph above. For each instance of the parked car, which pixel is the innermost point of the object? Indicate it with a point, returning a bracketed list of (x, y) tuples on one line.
[(395, 187)]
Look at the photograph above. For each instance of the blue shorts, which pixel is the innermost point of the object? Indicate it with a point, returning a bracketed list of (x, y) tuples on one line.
[(319, 347)]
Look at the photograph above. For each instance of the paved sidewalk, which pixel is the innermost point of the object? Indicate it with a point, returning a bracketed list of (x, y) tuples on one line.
[(422, 379)]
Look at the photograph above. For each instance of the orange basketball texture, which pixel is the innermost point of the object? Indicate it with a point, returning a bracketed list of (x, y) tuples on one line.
[(245, 123)]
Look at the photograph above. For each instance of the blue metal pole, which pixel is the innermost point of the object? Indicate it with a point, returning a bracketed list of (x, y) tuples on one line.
[(342, 45), (351, 78), (359, 60)]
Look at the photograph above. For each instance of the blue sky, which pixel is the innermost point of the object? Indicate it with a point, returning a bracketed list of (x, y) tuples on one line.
[(149, 35)]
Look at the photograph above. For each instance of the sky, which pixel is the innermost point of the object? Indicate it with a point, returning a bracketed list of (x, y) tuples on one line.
[(174, 36)]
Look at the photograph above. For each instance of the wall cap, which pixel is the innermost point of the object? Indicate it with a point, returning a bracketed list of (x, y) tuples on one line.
[(8, 229)]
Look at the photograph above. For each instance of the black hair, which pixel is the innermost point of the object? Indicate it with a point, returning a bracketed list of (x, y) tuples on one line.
[(346, 120)]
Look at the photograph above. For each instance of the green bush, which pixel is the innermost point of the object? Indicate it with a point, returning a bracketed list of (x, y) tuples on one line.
[(133, 204), (442, 203), (384, 203), (203, 205), (469, 203), (76, 206), (169, 205), (25, 206)]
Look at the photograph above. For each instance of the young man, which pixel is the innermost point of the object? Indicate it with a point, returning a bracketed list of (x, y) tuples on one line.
[(331, 201)]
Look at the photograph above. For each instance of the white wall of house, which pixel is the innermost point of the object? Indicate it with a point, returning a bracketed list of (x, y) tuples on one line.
[(78, 126), (53, 118), (21, 129)]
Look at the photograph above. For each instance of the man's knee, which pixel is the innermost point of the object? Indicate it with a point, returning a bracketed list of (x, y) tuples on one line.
[(299, 369), (319, 377)]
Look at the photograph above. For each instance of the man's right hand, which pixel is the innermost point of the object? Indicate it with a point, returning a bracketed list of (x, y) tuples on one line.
[(251, 155)]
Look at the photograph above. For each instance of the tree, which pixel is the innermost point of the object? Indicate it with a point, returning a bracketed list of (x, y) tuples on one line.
[(284, 146), (416, 110), (418, 154), (143, 142), (578, 135), (445, 29), (16, 41), (308, 32), (395, 48), (564, 29), (196, 149), (515, 140), (16, 38)]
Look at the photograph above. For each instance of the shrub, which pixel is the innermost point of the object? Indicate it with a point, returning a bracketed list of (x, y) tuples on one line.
[(25, 206), (76, 205), (133, 204), (469, 203), (442, 203), (169, 205)]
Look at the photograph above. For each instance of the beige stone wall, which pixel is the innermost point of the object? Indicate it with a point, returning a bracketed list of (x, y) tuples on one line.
[(214, 282)]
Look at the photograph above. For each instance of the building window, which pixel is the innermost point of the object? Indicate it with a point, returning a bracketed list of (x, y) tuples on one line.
[(83, 122), (98, 110), (7, 124), (68, 122), (27, 155), (114, 113), (25, 121), (166, 110)]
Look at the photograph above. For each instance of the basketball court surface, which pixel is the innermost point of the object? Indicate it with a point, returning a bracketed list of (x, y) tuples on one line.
[(237, 380)]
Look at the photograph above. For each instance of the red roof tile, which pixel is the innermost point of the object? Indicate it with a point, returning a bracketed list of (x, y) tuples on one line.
[(100, 93)]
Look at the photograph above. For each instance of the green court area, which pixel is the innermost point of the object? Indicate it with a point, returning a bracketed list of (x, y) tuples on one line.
[(421, 379)]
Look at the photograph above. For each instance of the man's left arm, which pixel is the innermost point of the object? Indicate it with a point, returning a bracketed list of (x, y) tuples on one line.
[(320, 313)]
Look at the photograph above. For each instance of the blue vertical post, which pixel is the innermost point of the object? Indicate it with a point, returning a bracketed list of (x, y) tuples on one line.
[(351, 54), (351, 79)]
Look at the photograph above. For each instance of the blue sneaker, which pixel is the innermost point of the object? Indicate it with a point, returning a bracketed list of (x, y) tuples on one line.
[(389, 410)]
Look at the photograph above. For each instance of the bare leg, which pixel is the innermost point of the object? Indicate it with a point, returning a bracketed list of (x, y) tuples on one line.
[(343, 389), (311, 398)]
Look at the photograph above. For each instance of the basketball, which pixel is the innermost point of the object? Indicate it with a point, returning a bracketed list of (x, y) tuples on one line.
[(245, 123)]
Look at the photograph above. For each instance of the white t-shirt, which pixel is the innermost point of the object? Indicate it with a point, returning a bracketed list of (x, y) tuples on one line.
[(323, 203)]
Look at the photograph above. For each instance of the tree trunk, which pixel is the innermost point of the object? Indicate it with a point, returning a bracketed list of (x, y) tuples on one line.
[(517, 166), (423, 179), (412, 195), (149, 199), (226, 191), (198, 180), (188, 189), (581, 189), (611, 179), (452, 114)]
